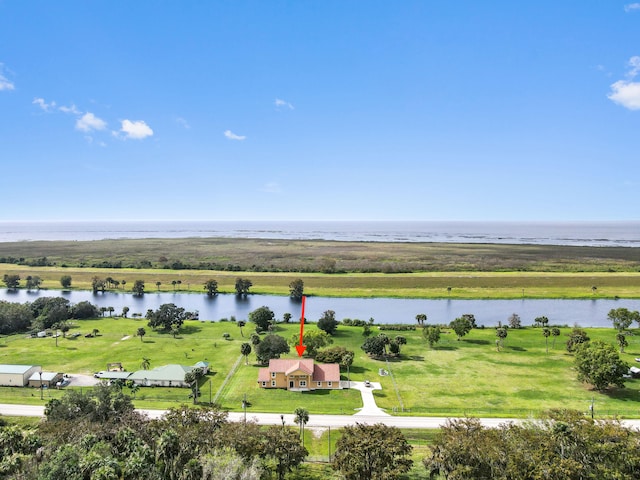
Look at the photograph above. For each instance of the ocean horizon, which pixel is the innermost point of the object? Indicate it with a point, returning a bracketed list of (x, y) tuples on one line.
[(575, 233)]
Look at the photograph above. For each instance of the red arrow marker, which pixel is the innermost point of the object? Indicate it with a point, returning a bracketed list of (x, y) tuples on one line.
[(301, 348)]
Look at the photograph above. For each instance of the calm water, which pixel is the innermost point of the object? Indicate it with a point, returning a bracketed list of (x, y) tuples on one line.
[(547, 233), (586, 313)]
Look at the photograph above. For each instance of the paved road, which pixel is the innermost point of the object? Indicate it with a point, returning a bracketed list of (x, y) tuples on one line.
[(315, 421)]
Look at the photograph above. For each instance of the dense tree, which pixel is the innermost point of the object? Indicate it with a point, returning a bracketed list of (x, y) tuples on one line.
[(471, 318), (296, 289), (103, 403), (461, 326), (167, 317), (372, 452), (65, 281), (98, 284), (576, 337), (328, 322), (11, 281), (272, 346), (431, 334), (263, 317), (125, 311), (564, 445), (622, 318), (374, 346), (599, 364), (286, 318), (138, 287), (332, 355), (14, 317), (282, 446), (313, 340), (245, 349), (33, 281), (255, 339), (48, 311), (226, 463), (242, 286), (211, 286)]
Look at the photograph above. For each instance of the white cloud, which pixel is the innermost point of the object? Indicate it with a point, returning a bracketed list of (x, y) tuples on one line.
[(183, 122), (279, 103), (5, 83), (634, 63), (272, 187), (72, 109), (136, 130), (44, 105), (232, 136), (632, 6), (627, 92), (89, 122)]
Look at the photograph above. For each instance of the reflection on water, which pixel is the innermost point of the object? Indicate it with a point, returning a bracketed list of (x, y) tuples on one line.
[(586, 313)]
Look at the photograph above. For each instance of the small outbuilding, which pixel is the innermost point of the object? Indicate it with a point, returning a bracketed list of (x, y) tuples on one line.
[(165, 376), (17, 375), (45, 379)]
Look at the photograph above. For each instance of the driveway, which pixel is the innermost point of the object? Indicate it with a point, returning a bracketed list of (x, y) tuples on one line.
[(369, 407), (79, 380)]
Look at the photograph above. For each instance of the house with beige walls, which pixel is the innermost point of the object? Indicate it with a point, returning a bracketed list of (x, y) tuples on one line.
[(299, 375)]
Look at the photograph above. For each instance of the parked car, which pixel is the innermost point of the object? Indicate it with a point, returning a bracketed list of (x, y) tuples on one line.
[(367, 383)]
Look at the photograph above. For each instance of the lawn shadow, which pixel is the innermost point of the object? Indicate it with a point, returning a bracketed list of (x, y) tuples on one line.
[(476, 341), (624, 394), (517, 349), (445, 348), (148, 341), (190, 329), (417, 358)]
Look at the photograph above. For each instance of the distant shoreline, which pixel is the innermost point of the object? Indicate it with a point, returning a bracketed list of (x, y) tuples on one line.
[(603, 233)]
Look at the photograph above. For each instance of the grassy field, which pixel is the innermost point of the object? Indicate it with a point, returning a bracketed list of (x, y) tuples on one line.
[(455, 285), (467, 377)]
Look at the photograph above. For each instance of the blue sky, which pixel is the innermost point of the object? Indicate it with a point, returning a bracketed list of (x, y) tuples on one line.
[(319, 110)]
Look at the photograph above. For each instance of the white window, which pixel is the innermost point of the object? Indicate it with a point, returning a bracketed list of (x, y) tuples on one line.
[(319, 384), (329, 384), (264, 384), (303, 383), (273, 374), (273, 383)]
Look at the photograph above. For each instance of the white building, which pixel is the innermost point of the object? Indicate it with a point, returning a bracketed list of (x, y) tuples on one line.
[(17, 375)]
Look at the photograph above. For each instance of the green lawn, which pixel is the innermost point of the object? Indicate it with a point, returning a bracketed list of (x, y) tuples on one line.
[(467, 377)]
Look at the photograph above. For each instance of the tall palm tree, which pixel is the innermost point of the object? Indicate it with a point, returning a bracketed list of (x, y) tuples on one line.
[(301, 418)]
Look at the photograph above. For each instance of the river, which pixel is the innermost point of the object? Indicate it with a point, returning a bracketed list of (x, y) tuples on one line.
[(586, 313)]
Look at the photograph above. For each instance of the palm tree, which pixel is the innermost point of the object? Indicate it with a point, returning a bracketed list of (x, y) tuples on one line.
[(146, 363), (173, 282), (245, 349), (301, 418), (546, 332), (141, 333), (555, 331), (421, 318), (241, 323), (158, 285), (125, 310)]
